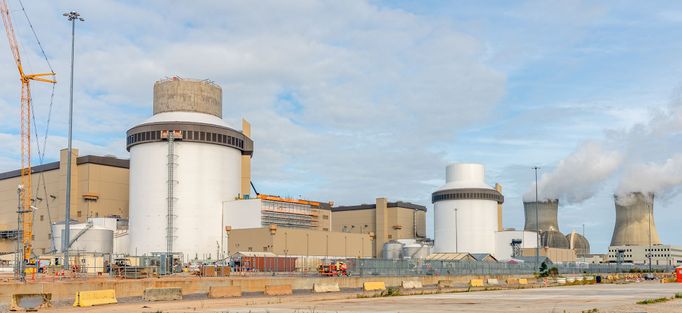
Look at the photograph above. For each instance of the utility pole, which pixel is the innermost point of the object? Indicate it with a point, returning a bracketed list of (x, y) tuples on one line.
[(72, 17), (537, 221), (651, 208)]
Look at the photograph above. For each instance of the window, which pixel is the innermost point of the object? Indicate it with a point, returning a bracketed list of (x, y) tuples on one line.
[(390, 236), (42, 217), (214, 137), (196, 135), (49, 235), (78, 213), (325, 217), (202, 136), (325, 229)]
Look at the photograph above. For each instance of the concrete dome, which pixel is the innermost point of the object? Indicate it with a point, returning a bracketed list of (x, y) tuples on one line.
[(553, 239), (578, 243)]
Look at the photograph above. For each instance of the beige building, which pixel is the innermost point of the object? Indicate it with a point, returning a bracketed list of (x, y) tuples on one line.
[(299, 242), (385, 220), (99, 189), (639, 254), (557, 255)]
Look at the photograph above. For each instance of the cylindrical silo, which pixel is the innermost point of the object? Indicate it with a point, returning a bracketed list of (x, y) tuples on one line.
[(184, 161), (392, 250), (465, 211), (635, 220)]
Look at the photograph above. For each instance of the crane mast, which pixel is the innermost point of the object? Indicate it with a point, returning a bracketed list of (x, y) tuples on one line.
[(26, 210)]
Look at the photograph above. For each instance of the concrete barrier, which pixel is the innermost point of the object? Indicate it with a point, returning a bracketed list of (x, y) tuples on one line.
[(224, 292), (561, 281), (278, 290), (493, 281), (476, 283), (374, 286), (326, 287), (523, 281), (579, 278), (570, 279), (30, 301), (95, 297), (446, 284), (411, 284), (162, 294), (512, 281)]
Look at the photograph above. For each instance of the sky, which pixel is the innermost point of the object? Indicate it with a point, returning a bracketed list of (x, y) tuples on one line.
[(354, 100)]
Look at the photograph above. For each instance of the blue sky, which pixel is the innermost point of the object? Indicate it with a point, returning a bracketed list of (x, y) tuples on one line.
[(354, 100)]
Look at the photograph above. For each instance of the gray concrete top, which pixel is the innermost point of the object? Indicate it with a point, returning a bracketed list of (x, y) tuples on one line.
[(188, 95)]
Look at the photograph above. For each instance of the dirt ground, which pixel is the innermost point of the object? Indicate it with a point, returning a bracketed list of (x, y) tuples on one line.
[(604, 298)]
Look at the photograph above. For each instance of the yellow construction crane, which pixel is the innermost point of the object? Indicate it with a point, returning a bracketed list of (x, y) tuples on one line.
[(26, 209)]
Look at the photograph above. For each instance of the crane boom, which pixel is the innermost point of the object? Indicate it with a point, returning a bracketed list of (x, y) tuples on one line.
[(27, 226)]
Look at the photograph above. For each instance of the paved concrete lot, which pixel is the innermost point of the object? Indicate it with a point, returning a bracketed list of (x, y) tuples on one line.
[(605, 298)]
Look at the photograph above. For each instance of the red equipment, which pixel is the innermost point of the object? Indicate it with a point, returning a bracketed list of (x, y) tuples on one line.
[(333, 269)]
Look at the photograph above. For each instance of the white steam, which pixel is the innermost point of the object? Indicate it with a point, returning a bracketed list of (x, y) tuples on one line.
[(577, 177), (644, 158), (652, 177)]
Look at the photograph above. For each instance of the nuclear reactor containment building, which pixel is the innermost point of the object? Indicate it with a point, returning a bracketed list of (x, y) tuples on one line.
[(465, 211), (184, 161), (546, 222), (635, 220)]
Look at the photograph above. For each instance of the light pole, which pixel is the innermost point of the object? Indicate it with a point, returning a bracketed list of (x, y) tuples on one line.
[(456, 233), (72, 17), (651, 207), (537, 221), (19, 260)]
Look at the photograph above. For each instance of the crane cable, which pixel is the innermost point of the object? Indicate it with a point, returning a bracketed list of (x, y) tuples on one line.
[(41, 152)]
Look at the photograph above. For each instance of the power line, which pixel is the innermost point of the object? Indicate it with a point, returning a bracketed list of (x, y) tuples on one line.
[(36, 36)]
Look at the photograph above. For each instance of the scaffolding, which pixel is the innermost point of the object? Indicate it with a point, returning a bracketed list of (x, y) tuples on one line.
[(293, 213)]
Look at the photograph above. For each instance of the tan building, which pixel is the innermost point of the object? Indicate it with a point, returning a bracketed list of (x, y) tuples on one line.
[(557, 255), (385, 220), (299, 242), (99, 189)]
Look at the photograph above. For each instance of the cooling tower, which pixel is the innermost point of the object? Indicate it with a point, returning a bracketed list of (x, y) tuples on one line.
[(465, 211), (184, 162), (634, 220), (547, 212)]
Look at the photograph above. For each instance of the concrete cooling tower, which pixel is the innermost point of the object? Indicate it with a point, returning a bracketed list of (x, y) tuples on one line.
[(547, 220), (634, 220), (184, 161), (465, 211)]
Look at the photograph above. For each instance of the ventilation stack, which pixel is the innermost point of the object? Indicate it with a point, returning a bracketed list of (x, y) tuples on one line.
[(635, 220), (547, 220)]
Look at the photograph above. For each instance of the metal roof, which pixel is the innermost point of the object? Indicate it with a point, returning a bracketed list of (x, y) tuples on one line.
[(397, 204), (458, 256), (86, 159)]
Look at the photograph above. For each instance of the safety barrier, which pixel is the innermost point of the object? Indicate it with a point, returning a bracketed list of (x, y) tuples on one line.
[(512, 281), (561, 281), (493, 281), (162, 294), (446, 284), (523, 281), (374, 286), (318, 288), (411, 284), (278, 290), (476, 283), (95, 297), (30, 301), (224, 291)]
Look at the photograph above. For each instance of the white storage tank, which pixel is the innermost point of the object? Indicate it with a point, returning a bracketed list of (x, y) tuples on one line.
[(184, 161), (89, 238), (416, 251), (392, 250), (465, 211)]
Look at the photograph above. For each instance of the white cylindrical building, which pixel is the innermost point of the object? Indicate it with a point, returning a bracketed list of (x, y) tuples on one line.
[(184, 162), (465, 211)]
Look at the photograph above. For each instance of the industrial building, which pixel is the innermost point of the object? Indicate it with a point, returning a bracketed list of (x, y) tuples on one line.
[(466, 211), (660, 254), (265, 210), (385, 220), (542, 216), (298, 242), (99, 190), (184, 162), (510, 242)]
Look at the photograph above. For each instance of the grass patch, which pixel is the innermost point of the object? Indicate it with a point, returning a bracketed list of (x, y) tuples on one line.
[(652, 301)]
